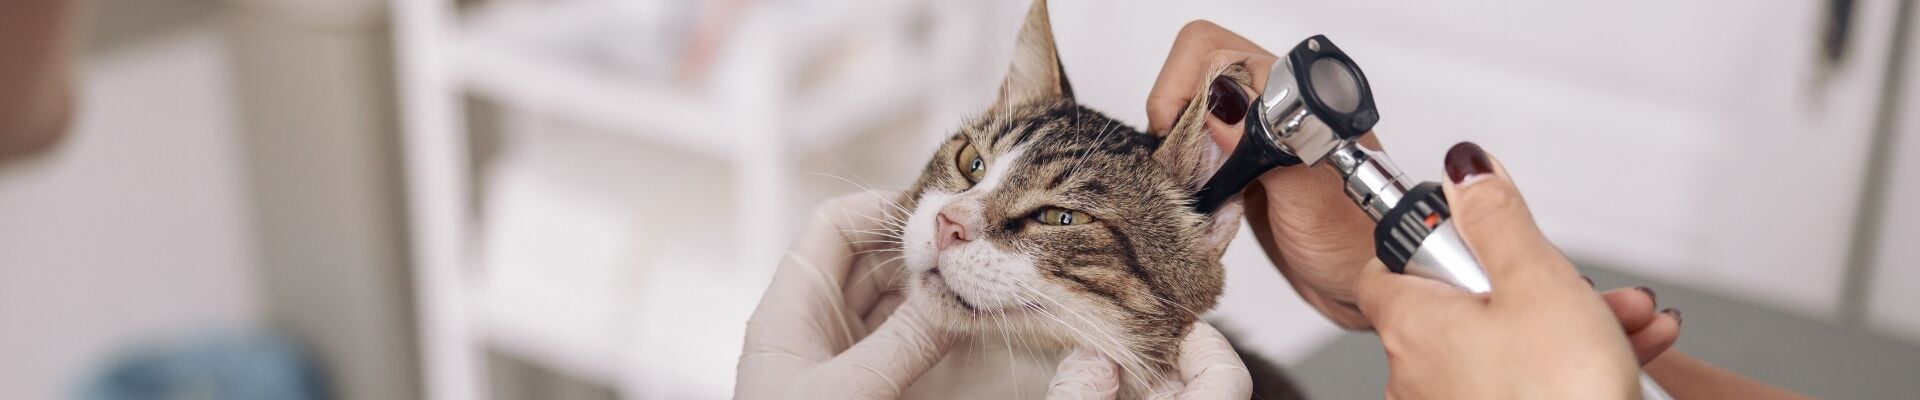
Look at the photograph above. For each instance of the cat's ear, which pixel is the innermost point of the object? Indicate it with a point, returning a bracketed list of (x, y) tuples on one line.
[(1190, 157), (1188, 153), (1036, 73)]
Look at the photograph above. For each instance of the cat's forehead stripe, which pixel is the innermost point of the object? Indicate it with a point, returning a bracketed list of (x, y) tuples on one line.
[(998, 171)]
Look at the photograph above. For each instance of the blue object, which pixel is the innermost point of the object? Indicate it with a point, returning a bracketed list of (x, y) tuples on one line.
[(250, 366)]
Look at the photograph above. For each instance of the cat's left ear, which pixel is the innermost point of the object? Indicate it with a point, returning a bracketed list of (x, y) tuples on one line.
[(1036, 74), (1190, 156), (1188, 153)]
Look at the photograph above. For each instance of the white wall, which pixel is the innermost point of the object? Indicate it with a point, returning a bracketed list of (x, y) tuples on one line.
[(1894, 284), (135, 227), (315, 103)]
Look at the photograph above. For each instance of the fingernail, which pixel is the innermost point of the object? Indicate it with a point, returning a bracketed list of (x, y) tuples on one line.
[(1589, 280), (1676, 314), (1650, 294), (1228, 102), (1465, 160)]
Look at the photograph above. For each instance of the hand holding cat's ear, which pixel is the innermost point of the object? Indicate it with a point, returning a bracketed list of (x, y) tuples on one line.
[(1306, 225)]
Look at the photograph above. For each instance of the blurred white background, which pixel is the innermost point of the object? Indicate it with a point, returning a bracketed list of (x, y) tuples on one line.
[(584, 198)]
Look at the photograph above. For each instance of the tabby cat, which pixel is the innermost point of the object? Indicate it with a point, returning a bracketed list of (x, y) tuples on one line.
[(1042, 225)]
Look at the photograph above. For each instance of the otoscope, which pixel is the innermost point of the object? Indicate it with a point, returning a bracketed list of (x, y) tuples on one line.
[(1316, 105)]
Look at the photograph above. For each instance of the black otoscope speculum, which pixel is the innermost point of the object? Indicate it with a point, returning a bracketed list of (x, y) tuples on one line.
[(1316, 96), (1315, 106)]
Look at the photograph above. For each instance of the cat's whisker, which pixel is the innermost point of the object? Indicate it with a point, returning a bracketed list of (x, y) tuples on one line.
[(836, 305), (867, 189), (1026, 345), (1091, 325), (877, 235), (1063, 307), (1135, 357), (892, 242), (878, 250), (1099, 137), (895, 276), (1166, 301), (890, 222), (1013, 370), (1110, 347), (894, 233), (877, 232)]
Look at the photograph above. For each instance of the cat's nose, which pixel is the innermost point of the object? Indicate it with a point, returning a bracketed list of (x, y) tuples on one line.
[(948, 233)]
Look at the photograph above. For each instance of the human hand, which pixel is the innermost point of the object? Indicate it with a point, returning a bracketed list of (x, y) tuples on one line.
[(1650, 332), (829, 326), (1310, 230), (1208, 368), (37, 80), (1541, 333)]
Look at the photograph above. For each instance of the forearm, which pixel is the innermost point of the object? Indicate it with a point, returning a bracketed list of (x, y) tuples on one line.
[(1686, 377), (36, 89)]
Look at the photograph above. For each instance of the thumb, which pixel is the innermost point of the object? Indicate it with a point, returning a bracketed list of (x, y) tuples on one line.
[(1084, 375), (1396, 304), (1212, 369), (895, 355), (1493, 220)]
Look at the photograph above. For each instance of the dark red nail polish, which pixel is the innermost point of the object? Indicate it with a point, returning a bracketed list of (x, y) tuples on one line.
[(1465, 160), (1650, 294), (1675, 312), (1228, 102)]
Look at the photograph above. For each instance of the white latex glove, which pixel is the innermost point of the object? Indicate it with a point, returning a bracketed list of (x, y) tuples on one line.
[(1209, 368), (829, 326)]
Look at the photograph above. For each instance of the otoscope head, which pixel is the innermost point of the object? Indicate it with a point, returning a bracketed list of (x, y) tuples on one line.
[(1316, 98)]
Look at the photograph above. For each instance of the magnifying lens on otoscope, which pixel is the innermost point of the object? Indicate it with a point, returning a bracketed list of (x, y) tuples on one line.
[(1316, 105)]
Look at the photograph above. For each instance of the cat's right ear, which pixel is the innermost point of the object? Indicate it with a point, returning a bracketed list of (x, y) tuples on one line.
[(1036, 73)]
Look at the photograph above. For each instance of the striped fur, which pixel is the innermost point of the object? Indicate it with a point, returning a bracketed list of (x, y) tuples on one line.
[(1130, 284)]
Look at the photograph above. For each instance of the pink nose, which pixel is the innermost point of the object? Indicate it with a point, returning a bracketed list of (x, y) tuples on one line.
[(948, 233)]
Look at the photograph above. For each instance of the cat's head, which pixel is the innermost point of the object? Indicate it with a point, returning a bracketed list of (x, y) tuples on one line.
[(1045, 218)]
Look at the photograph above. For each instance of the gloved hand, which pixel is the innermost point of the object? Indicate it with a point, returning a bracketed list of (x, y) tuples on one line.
[(828, 326), (1208, 367)]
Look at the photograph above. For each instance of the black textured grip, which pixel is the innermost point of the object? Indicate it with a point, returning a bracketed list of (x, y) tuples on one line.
[(1401, 230)]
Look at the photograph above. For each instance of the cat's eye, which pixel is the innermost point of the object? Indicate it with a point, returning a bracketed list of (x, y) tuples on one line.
[(1063, 217), (970, 164)]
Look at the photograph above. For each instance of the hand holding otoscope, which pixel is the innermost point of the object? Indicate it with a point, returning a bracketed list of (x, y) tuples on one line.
[(1315, 105)]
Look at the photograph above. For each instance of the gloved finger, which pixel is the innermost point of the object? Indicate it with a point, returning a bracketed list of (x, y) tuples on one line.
[(868, 222), (1210, 367), (902, 348), (1084, 374), (1658, 336), (804, 313), (1493, 220), (884, 308)]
